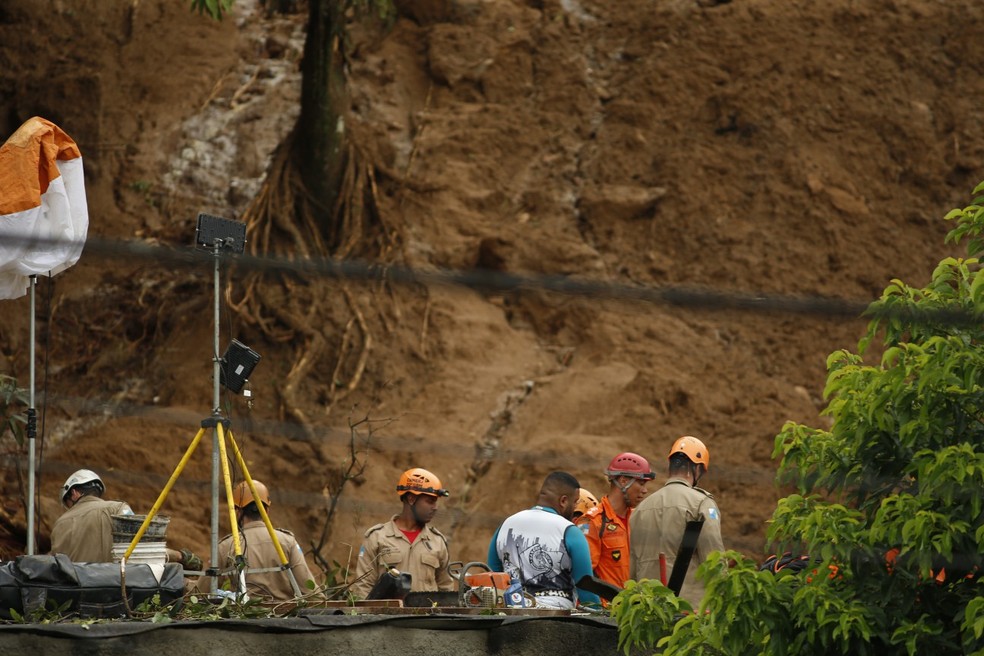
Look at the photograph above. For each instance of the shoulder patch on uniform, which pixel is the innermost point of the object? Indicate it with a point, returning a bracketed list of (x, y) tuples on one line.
[(585, 527), (703, 491), (373, 529), (713, 513)]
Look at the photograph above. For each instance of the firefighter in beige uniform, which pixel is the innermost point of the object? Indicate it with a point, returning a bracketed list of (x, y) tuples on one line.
[(85, 531), (259, 551), (658, 523), (407, 542)]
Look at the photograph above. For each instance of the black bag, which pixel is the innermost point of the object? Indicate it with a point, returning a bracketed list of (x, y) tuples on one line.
[(92, 590), (391, 585)]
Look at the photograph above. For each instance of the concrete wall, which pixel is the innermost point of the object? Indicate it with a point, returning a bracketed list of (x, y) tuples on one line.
[(322, 635)]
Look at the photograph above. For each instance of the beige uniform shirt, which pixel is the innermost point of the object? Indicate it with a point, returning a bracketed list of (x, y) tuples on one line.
[(84, 532), (657, 526), (385, 546), (260, 553)]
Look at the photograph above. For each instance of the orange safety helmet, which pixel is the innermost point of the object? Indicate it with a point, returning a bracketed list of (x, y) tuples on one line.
[(585, 502), (242, 496), (630, 464), (420, 481), (694, 449)]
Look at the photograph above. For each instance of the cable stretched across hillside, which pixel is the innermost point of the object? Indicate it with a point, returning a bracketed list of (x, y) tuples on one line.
[(484, 280)]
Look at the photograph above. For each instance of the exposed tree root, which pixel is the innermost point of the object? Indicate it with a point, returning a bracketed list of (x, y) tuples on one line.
[(374, 290), (418, 134), (423, 329), (284, 220), (244, 88), (310, 354), (339, 391)]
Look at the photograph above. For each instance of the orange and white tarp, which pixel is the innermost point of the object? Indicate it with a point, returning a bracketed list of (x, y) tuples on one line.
[(43, 213)]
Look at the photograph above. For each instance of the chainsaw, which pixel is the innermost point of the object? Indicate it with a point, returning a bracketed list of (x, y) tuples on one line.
[(484, 589)]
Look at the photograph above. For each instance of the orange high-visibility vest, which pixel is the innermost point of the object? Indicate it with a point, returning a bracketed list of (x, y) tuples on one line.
[(608, 538)]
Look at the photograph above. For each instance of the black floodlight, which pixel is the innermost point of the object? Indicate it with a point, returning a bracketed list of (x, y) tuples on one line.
[(226, 234), (237, 364)]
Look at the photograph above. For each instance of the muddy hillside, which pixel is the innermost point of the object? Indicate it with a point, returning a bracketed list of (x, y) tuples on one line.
[(776, 147)]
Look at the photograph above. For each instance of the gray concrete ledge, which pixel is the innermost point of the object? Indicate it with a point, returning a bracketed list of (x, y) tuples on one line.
[(321, 635)]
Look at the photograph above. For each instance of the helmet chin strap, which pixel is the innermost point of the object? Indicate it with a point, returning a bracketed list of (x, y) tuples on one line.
[(413, 511), (696, 470), (624, 488)]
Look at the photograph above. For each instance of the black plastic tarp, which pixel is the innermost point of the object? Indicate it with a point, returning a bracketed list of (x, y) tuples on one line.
[(32, 585)]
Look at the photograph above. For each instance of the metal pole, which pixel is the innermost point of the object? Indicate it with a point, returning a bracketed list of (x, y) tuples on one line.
[(216, 358), (31, 432), (216, 362)]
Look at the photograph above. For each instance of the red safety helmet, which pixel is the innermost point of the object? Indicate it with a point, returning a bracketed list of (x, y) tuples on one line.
[(694, 449), (630, 464), (420, 481)]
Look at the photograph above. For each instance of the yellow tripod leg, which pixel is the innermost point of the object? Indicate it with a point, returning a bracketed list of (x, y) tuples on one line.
[(164, 492), (266, 518), (227, 480)]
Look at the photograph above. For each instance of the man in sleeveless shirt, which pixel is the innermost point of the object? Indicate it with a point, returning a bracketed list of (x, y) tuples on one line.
[(542, 549)]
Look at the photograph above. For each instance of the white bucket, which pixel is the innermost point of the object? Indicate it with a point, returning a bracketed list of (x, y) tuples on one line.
[(149, 553)]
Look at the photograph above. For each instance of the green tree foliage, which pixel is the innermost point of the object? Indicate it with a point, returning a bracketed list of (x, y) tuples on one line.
[(888, 502), (214, 8)]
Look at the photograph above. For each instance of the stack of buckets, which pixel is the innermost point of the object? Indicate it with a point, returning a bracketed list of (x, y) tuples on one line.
[(152, 548)]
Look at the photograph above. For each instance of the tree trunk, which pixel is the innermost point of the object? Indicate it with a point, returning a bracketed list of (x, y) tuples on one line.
[(321, 130)]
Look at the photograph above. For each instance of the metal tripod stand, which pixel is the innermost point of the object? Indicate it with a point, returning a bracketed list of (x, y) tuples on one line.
[(219, 425)]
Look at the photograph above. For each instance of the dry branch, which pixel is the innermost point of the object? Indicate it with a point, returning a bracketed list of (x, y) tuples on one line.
[(355, 465)]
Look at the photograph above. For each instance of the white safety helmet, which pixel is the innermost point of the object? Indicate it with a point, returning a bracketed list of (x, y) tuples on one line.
[(81, 477)]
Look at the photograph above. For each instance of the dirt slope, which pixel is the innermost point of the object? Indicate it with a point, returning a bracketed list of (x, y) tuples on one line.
[(793, 148)]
